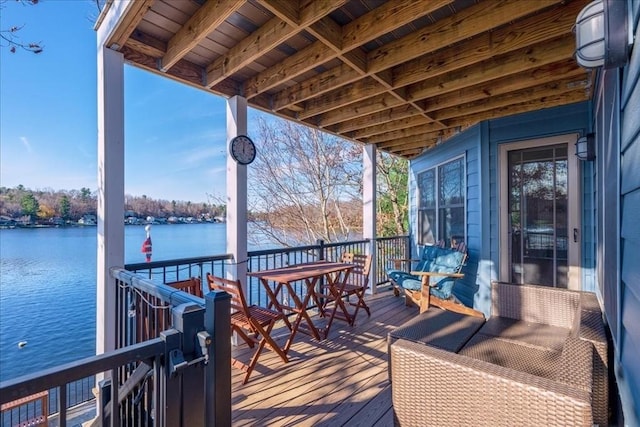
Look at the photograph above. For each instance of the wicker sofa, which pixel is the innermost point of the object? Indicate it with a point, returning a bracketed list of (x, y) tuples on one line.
[(540, 359)]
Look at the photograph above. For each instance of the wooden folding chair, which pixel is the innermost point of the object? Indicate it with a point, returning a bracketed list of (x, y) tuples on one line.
[(252, 323), (192, 286), (358, 281)]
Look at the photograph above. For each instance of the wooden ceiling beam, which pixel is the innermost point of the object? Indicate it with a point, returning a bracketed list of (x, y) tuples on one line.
[(532, 105), (381, 117), (355, 34), (393, 14), (289, 68), (183, 71), (410, 142), (132, 18), (365, 132), (530, 31), (410, 154), (529, 78), (146, 44), (355, 92), (204, 21), (548, 25), (310, 57), (284, 9), (264, 39), (529, 94), (403, 133), (346, 42), (463, 25), (516, 62), (425, 140), (322, 83), (329, 32), (368, 106)]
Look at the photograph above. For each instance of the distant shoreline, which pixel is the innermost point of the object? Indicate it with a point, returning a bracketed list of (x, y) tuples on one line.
[(11, 227)]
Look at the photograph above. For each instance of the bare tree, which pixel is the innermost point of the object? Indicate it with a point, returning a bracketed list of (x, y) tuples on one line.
[(305, 185), (10, 38)]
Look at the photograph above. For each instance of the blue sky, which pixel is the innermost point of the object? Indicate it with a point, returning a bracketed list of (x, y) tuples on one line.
[(175, 136)]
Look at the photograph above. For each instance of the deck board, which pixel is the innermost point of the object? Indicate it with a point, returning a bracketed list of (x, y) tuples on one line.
[(338, 381)]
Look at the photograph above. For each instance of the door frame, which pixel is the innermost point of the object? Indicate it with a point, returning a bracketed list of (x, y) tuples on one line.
[(574, 218)]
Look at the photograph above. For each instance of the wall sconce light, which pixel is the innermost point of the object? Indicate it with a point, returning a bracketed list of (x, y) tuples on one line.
[(586, 147), (602, 36)]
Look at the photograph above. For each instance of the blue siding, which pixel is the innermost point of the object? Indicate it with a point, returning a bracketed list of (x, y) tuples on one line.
[(538, 124), (628, 338), (466, 143), (480, 146), (589, 237)]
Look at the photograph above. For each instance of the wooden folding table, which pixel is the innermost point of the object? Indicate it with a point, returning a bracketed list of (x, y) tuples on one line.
[(335, 275)]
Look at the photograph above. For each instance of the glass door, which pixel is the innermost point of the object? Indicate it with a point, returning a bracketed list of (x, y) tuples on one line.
[(538, 215)]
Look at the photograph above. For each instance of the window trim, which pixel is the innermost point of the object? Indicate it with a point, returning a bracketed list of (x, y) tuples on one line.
[(436, 168)]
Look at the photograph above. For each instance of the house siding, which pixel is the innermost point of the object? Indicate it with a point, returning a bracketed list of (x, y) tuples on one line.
[(539, 124), (466, 144), (627, 339), (480, 147)]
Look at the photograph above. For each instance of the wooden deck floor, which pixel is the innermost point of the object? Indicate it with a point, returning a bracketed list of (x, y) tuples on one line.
[(338, 381)]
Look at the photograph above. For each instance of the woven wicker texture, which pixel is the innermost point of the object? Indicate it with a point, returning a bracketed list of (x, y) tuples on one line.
[(538, 335), (589, 302), (432, 387), (512, 355), (592, 330), (536, 304), (575, 364), (438, 328)]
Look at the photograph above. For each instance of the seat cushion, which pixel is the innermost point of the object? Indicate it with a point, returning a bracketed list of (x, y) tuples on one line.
[(439, 328), (535, 335), (513, 355), (398, 276), (448, 261), (411, 284)]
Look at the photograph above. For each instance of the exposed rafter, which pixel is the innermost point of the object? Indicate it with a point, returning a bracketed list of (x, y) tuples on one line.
[(404, 75)]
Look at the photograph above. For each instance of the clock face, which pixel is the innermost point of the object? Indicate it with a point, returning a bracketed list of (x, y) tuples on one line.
[(242, 149)]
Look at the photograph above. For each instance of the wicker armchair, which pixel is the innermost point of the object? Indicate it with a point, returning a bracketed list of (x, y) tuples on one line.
[(540, 359), (434, 387)]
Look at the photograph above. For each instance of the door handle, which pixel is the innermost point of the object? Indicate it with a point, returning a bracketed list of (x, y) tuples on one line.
[(575, 235)]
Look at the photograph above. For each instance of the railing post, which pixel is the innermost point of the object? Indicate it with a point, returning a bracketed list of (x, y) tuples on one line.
[(189, 320), (218, 370), (171, 383), (321, 250), (104, 396)]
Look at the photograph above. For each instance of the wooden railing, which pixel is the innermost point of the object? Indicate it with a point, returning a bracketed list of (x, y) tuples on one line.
[(45, 404), (170, 366), (180, 269)]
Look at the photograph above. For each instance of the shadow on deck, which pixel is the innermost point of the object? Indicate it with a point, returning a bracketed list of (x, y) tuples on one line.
[(338, 381)]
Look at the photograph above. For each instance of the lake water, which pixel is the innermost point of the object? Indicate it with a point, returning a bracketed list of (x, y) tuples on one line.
[(47, 287)]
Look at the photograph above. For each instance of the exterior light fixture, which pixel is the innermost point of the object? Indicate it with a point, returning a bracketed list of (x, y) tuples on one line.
[(585, 147), (602, 37)]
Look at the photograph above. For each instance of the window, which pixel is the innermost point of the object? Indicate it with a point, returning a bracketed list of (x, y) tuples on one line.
[(441, 193)]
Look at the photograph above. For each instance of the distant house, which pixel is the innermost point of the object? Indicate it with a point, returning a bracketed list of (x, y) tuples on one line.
[(7, 221), (23, 221), (88, 219), (57, 221)]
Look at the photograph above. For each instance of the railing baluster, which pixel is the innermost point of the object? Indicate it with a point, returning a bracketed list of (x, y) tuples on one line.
[(115, 410), (62, 405)]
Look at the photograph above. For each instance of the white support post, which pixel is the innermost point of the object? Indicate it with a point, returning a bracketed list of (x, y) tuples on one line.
[(237, 193), (110, 191), (369, 171)]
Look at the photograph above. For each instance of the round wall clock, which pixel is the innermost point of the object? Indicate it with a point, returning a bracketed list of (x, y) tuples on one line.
[(242, 149)]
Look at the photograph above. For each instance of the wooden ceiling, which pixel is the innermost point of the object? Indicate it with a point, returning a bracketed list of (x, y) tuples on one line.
[(402, 74)]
